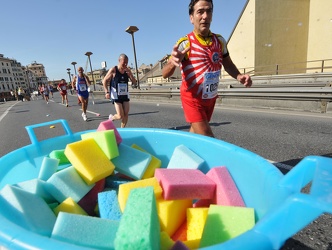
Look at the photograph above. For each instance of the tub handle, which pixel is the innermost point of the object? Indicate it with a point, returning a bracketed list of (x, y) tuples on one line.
[(32, 135), (300, 209)]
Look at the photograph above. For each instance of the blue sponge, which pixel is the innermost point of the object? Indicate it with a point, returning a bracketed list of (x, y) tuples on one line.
[(183, 157), (68, 183), (131, 162), (108, 205), (26, 210), (85, 230)]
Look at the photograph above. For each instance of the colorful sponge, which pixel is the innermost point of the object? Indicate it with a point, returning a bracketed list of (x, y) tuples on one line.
[(183, 157), (69, 206), (26, 210), (224, 223), (106, 141), (196, 218), (166, 242), (89, 160), (180, 184), (227, 193), (124, 189), (85, 231), (109, 205), (60, 155), (67, 183), (49, 166), (155, 163), (131, 162), (89, 201), (109, 125), (139, 226), (172, 214), (37, 187)]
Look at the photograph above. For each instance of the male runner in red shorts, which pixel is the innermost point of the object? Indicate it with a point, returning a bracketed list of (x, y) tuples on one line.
[(201, 55)]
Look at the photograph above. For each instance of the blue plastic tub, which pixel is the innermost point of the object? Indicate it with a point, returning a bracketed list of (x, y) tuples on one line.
[(281, 209)]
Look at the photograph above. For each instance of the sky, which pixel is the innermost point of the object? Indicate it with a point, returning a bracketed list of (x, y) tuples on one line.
[(58, 32)]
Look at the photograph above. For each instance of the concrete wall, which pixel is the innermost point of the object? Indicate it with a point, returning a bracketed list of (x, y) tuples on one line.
[(241, 44), (287, 33), (320, 33), (281, 34)]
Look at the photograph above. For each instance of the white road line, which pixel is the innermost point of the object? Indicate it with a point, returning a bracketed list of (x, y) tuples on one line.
[(6, 112)]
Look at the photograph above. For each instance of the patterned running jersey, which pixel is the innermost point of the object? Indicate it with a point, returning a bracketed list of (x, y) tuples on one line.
[(202, 66)]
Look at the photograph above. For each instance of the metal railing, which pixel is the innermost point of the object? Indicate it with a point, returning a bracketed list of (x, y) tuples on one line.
[(300, 87)]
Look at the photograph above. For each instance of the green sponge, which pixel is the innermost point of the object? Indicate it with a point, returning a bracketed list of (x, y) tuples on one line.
[(60, 155), (139, 226), (225, 222)]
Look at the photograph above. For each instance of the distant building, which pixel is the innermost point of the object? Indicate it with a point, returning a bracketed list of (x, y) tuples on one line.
[(37, 75), (12, 76)]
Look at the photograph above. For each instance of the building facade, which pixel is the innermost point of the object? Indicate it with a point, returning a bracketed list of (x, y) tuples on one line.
[(37, 75), (13, 75), (283, 37)]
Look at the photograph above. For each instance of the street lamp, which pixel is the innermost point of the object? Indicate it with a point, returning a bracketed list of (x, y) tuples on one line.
[(131, 30), (88, 54), (74, 63), (68, 69)]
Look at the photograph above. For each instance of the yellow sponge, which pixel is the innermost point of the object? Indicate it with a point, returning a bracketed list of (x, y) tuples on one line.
[(172, 214), (69, 206), (166, 242), (154, 163), (192, 244), (89, 160), (106, 141), (196, 218), (125, 188)]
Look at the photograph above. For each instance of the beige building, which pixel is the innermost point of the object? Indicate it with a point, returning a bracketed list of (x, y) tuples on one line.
[(283, 37), (37, 75), (12, 76)]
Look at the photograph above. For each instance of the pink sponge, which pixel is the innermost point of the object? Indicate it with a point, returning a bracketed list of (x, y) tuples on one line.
[(227, 193), (107, 125), (185, 184)]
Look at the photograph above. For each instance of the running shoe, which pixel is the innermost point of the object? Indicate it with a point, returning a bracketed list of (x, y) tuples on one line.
[(84, 117)]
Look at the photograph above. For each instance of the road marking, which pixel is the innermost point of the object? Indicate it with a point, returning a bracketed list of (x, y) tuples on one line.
[(6, 112)]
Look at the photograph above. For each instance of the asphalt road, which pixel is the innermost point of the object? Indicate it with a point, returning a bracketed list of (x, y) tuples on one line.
[(283, 137)]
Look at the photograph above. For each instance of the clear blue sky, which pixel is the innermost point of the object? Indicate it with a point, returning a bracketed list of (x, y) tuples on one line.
[(58, 32)]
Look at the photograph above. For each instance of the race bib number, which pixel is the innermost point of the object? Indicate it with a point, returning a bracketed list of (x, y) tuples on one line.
[(82, 87), (122, 89), (210, 85), (63, 87)]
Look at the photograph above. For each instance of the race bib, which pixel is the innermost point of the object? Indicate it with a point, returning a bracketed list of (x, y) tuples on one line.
[(82, 87), (210, 85), (122, 89), (64, 88)]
